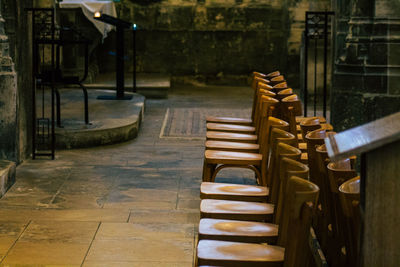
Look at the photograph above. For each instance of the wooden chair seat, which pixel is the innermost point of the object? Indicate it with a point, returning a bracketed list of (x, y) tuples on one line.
[(232, 146), (238, 231), (235, 137), (229, 157), (230, 128), (223, 253), (228, 120), (237, 192), (236, 210)]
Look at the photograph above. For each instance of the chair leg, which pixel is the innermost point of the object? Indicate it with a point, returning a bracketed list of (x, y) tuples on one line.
[(86, 103), (208, 170), (58, 108)]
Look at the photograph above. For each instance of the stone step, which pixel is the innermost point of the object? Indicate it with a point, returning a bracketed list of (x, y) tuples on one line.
[(7, 175), (149, 85)]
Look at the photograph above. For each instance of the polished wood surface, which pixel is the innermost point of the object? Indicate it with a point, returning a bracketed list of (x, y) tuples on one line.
[(223, 253), (236, 210), (364, 138), (229, 157), (247, 138), (232, 146), (229, 120), (240, 231), (238, 192), (230, 128)]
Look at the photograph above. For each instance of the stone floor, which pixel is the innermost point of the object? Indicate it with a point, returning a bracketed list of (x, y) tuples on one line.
[(131, 204)]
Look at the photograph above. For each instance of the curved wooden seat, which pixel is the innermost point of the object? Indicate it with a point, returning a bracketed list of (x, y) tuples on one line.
[(236, 210), (277, 80), (238, 231), (300, 119), (237, 192), (232, 146), (237, 137), (223, 253), (229, 157), (229, 120), (230, 128)]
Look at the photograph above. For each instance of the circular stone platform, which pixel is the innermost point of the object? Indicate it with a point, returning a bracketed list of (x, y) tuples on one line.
[(111, 121)]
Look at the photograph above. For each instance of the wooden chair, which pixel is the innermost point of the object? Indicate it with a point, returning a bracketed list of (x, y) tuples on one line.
[(266, 104), (349, 195), (252, 211), (250, 231), (242, 121), (249, 129), (226, 191), (216, 160), (338, 173), (301, 198)]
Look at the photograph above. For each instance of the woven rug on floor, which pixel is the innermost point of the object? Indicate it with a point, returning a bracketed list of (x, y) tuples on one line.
[(190, 123)]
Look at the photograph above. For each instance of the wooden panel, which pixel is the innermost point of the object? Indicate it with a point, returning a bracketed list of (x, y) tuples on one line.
[(381, 245), (364, 138)]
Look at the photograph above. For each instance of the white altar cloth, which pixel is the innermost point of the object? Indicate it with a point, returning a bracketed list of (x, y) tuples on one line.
[(89, 7)]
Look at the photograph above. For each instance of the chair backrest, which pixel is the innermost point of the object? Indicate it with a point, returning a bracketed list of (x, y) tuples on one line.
[(338, 173), (290, 107), (277, 136), (265, 108), (309, 125), (277, 79), (255, 85), (280, 86), (284, 93), (294, 228), (273, 74), (270, 125), (313, 139), (265, 76), (287, 168), (349, 194), (283, 150)]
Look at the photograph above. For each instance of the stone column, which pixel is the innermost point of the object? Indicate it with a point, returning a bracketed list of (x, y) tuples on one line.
[(367, 63), (8, 99)]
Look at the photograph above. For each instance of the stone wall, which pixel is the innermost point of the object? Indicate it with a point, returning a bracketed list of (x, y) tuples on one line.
[(367, 62), (15, 85), (211, 40)]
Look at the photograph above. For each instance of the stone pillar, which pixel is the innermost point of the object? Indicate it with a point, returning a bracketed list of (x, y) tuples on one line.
[(8, 100), (367, 62)]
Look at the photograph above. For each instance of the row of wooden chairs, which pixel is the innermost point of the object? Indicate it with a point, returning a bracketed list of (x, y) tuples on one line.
[(275, 143)]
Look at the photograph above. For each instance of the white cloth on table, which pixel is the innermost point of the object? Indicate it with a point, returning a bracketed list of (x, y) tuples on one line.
[(89, 7)]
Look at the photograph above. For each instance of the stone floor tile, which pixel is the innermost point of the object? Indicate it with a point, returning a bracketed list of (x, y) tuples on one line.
[(46, 253), (61, 231), (137, 264), (143, 231), (9, 233), (188, 204), (162, 216), (141, 250), (90, 215), (135, 205)]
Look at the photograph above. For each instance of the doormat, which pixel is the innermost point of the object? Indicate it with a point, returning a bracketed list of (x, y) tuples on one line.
[(190, 123)]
